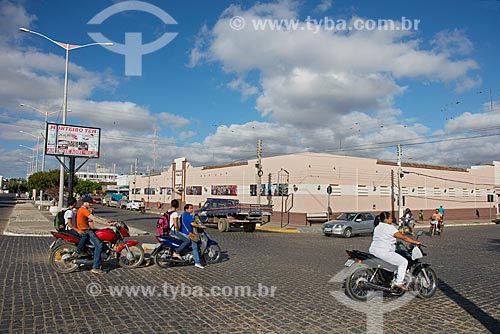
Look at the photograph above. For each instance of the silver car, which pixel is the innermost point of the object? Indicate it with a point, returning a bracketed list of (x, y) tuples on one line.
[(350, 223)]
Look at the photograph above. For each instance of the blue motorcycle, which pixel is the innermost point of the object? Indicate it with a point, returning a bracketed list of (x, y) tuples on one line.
[(209, 250)]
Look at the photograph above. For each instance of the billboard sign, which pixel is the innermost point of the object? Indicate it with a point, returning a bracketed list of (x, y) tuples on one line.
[(72, 140)]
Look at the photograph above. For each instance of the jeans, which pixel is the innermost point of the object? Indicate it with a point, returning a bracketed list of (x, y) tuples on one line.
[(94, 240), (184, 238), (196, 253)]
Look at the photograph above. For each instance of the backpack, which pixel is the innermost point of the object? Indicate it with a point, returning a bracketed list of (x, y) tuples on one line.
[(163, 224), (59, 223)]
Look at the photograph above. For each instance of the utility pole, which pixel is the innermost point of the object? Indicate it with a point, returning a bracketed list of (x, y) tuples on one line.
[(135, 178), (155, 156), (258, 165), (400, 175)]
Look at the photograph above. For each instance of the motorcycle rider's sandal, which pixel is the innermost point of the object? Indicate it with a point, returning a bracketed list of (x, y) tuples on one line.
[(177, 256), (97, 271), (400, 286)]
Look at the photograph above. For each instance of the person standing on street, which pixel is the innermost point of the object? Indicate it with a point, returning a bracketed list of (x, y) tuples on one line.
[(441, 212)]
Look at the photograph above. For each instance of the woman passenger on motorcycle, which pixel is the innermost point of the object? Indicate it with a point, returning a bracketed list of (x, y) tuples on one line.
[(175, 229), (384, 246)]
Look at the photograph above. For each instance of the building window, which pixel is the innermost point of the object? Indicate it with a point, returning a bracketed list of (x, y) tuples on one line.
[(421, 191), (451, 192), (437, 191), (193, 190), (228, 190), (270, 189), (465, 192), (149, 191), (404, 191), (362, 190), (385, 191), (336, 190)]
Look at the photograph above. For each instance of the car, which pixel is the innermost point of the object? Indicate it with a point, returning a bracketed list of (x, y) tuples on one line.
[(350, 223), (96, 200), (133, 204)]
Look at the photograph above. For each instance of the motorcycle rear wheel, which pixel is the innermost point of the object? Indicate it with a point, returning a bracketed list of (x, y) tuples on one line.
[(213, 254), (353, 285), (60, 258), (426, 288), (164, 257), (137, 253)]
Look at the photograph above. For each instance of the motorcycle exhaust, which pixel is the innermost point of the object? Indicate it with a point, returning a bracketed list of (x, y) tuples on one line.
[(82, 261)]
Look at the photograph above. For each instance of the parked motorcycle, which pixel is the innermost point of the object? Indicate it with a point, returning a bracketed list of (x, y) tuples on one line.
[(369, 274), (209, 250), (129, 253)]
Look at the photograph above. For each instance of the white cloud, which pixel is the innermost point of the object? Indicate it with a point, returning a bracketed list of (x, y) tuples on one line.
[(324, 5), (452, 42)]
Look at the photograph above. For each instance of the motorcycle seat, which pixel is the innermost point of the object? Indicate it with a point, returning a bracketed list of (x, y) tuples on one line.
[(374, 261), (165, 237)]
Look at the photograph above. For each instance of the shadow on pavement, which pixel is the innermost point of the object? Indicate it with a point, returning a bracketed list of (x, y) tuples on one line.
[(494, 245), (490, 323)]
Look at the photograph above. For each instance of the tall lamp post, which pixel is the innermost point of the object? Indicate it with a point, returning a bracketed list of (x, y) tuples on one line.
[(37, 146), (68, 47), (32, 156), (47, 113)]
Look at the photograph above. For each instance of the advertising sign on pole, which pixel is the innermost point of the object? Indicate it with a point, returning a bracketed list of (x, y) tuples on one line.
[(72, 140)]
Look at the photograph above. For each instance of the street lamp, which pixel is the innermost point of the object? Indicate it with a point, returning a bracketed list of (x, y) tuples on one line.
[(32, 155), (44, 139), (67, 47), (37, 146)]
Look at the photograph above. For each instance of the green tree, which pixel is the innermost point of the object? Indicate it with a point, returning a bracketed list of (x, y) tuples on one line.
[(17, 185), (86, 187), (46, 181)]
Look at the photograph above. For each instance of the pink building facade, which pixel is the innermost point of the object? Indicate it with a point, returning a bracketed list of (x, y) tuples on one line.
[(299, 183)]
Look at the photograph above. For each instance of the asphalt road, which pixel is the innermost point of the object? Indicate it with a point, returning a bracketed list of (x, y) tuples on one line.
[(289, 282)]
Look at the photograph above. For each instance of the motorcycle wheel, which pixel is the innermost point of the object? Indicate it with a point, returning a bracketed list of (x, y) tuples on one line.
[(213, 254), (163, 257), (431, 231), (353, 285), (60, 259), (426, 288), (136, 255)]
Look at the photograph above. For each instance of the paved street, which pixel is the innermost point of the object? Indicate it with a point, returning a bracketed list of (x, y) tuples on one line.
[(289, 276)]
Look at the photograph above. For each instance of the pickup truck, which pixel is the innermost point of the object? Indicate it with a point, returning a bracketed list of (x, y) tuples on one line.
[(116, 200), (230, 212)]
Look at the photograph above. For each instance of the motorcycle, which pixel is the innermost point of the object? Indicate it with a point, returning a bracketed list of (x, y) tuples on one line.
[(369, 274), (208, 248), (435, 228), (130, 253)]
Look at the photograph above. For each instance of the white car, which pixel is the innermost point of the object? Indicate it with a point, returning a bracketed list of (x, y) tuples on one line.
[(133, 204)]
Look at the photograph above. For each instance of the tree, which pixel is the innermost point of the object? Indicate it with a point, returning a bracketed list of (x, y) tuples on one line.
[(46, 181), (86, 187), (17, 185)]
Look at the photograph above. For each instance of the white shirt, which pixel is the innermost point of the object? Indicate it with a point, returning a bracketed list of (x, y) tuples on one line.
[(383, 237), (68, 215), (172, 217)]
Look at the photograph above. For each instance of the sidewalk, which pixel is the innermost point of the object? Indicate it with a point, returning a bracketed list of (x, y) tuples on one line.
[(27, 220)]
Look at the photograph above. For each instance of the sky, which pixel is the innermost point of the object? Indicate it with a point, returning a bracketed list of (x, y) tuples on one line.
[(206, 79)]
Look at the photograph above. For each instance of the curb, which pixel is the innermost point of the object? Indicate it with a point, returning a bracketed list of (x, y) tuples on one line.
[(276, 229), (318, 230)]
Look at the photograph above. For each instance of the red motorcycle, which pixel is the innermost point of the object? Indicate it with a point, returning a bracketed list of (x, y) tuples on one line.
[(129, 254)]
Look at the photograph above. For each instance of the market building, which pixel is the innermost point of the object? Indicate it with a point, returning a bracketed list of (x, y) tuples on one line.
[(301, 183)]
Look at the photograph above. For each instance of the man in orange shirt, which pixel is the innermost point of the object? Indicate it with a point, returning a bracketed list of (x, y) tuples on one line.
[(85, 225)]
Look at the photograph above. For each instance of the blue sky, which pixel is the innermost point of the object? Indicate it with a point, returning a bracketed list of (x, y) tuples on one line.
[(213, 91)]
